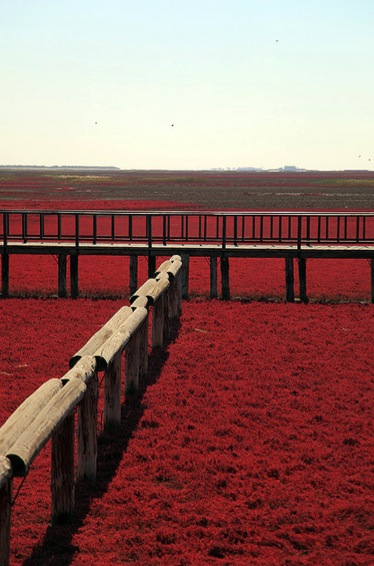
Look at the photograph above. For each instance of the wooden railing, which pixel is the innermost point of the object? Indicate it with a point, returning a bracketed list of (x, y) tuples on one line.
[(49, 412), (220, 228)]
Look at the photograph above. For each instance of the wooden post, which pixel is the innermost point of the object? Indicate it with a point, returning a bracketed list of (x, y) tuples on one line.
[(87, 432), (151, 265), (62, 276), (290, 290), (166, 331), (213, 278), (143, 348), (158, 321), (132, 364), (133, 274), (62, 471), (74, 287), (225, 277), (185, 272), (5, 510), (302, 280), (5, 275), (112, 393)]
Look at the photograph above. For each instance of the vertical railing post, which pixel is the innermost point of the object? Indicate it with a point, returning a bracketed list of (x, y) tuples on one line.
[(299, 231), (94, 229), (132, 364), (290, 291), (185, 273), (158, 322), (62, 292), (224, 231), (112, 393), (213, 278), (5, 228), (5, 275), (5, 509), (24, 227), (77, 230), (225, 278), (41, 221), (164, 230), (87, 431), (62, 471), (302, 279), (133, 274), (74, 280)]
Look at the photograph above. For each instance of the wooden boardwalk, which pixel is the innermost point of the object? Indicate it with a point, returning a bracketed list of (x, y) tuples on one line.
[(217, 236)]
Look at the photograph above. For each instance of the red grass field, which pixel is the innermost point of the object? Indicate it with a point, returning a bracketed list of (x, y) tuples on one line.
[(252, 443)]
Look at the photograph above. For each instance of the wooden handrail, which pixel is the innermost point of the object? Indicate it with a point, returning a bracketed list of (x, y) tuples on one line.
[(49, 412)]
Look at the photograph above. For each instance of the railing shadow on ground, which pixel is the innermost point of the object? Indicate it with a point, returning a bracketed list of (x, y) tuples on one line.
[(56, 547)]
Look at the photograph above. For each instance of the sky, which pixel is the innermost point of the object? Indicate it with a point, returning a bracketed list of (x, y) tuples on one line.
[(165, 84)]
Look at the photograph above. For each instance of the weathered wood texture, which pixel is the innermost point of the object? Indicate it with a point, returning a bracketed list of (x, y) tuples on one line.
[(62, 471), (5, 509), (101, 336), (49, 412), (372, 279), (87, 432), (185, 274), (158, 322), (152, 289), (112, 393), (26, 413), (119, 339), (23, 451), (132, 364), (85, 369)]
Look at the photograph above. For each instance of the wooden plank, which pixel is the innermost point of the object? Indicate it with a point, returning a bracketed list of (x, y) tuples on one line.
[(62, 471), (5, 509), (26, 413), (290, 281), (37, 434), (101, 336), (119, 339)]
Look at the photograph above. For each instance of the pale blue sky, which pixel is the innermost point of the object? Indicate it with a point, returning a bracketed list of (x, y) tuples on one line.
[(261, 83)]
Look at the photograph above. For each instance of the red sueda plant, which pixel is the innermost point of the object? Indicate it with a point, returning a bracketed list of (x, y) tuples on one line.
[(251, 443)]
